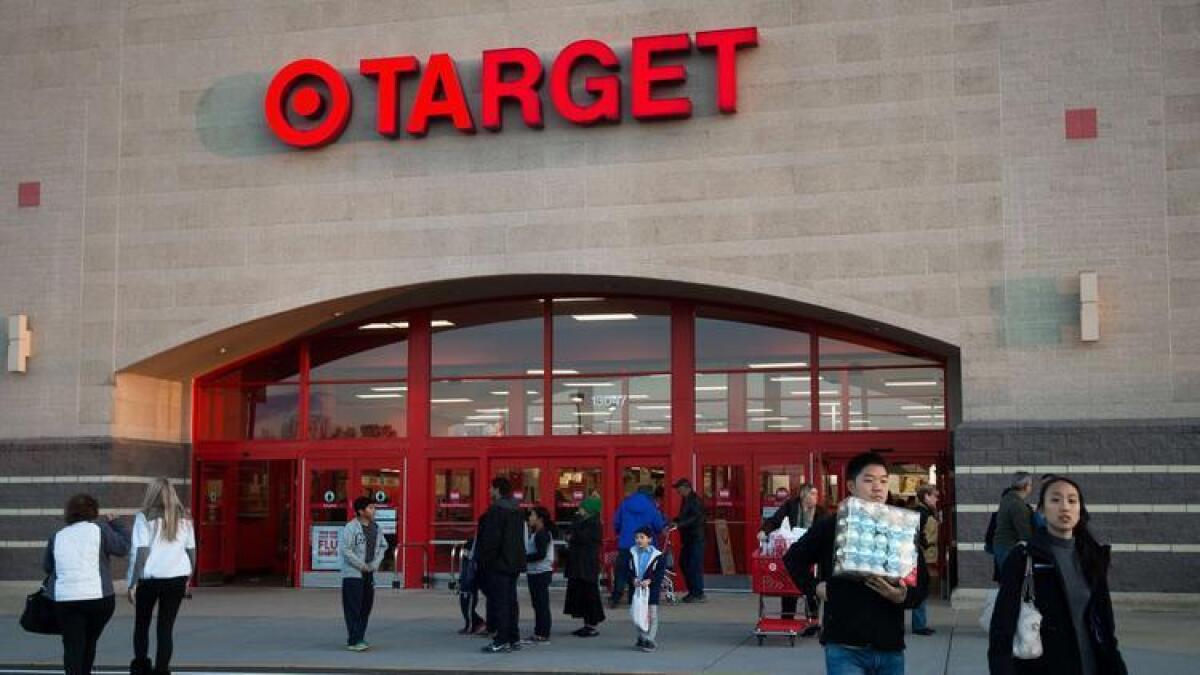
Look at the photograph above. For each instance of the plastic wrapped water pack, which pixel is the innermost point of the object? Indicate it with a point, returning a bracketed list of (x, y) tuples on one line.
[(875, 539)]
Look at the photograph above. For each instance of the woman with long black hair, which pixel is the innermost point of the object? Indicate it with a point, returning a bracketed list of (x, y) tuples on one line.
[(1070, 583), (539, 569)]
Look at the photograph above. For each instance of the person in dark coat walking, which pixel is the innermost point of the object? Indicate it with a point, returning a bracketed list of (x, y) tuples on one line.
[(801, 510), (583, 568), (690, 523), (1070, 588), (863, 626), (501, 554)]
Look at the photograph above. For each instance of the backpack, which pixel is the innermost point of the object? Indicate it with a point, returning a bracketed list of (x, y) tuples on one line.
[(989, 537)]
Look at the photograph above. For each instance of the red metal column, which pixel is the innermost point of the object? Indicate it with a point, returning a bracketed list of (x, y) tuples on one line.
[(683, 397), (417, 511)]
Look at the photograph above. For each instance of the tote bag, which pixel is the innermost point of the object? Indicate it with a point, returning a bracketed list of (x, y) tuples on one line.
[(39, 616), (639, 609), (1027, 641)]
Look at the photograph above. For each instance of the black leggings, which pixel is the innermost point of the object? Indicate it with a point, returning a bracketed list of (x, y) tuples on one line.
[(168, 595), (82, 621)]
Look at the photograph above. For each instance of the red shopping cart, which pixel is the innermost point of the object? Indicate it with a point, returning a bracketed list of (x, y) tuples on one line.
[(769, 578)]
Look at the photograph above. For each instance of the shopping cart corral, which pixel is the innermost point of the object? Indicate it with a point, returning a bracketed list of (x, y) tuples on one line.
[(769, 578)]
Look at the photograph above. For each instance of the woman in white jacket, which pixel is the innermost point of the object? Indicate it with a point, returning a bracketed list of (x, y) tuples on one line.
[(80, 578), (164, 555)]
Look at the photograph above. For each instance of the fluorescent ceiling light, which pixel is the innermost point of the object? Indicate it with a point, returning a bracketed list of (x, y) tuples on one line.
[(491, 411), (759, 410), (623, 316), (485, 417), (916, 407), (638, 397), (823, 392), (591, 413), (712, 388), (381, 326), (588, 384), (438, 323), (911, 383), (477, 424), (577, 300), (718, 430), (652, 428), (564, 426), (768, 419), (389, 388), (531, 392), (370, 396), (920, 417), (498, 393), (556, 371), (787, 426), (791, 378), (451, 400), (793, 364), (653, 407)]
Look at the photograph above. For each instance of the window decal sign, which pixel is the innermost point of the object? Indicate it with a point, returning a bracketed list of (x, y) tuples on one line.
[(308, 103)]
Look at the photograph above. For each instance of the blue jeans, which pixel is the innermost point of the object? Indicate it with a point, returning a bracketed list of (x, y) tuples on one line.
[(841, 660), (358, 597), (920, 616), (691, 561)]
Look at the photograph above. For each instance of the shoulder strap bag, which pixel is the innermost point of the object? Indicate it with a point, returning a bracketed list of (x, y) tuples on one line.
[(39, 616), (1027, 641)]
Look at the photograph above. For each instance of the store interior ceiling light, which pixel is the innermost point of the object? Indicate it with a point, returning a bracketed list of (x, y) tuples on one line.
[(916, 407), (401, 325), (485, 417), (795, 364), (638, 397), (370, 396), (768, 419), (759, 410), (791, 378), (451, 400), (389, 388), (623, 316), (589, 384), (491, 411), (787, 426), (712, 388), (911, 383), (591, 413), (823, 392), (653, 407), (576, 300), (556, 371)]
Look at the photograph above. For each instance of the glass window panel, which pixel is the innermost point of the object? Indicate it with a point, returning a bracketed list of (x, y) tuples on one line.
[(375, 410), (572, 485), (751, 401), (375, 350), (840, 353), (598, 335), (486, 408), (267, 412), (525, 481), (906, 398), (278, 366), (612, 405), (492, 339), (724, 343), (453, 511)]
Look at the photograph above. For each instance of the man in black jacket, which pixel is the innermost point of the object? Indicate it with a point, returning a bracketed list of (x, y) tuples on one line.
[(863, 627), (500, 549), (690, 523)]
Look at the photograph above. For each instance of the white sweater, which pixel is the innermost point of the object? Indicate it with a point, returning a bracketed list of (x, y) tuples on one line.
[(157, 557)]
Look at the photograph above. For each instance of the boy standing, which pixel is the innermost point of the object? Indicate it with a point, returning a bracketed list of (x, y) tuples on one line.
[(362, 548), (647, 570), (863, 626)]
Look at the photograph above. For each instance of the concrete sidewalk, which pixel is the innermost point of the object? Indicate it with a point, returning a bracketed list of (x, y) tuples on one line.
[(258, 628)]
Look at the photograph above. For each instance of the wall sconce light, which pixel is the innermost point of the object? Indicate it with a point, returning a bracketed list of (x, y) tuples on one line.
[(19, 343), (1089, 307)]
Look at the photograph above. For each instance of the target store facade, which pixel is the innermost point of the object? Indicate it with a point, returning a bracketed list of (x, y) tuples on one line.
[(291, 255)]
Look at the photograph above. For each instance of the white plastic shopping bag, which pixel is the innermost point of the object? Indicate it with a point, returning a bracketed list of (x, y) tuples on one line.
[(639, 609)]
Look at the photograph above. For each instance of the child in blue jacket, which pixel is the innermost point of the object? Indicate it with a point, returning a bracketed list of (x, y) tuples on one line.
[(647, 567)]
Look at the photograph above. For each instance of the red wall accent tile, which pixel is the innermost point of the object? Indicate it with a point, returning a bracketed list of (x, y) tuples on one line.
[(1081, 123), (29, 194)]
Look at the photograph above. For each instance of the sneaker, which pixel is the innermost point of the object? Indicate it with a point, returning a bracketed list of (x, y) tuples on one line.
[(640, 643), (514, 646), (585, 632), (357, 647), (923, 631), (689, 598), (496, 648), (649, 646), (540, 640)]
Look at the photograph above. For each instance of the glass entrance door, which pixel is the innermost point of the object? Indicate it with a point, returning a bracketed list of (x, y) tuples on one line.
[(723, 491), (572, 483), (215, 515), (455, 499), (328, 506), (778, 483)]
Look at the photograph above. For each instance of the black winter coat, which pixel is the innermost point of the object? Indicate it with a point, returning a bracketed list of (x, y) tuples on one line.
[(690, 520), (792, 510), (583, 549), (500, 545), (1060, 654)]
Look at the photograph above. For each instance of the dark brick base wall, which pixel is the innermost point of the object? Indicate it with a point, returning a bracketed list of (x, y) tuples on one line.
[(77, 459), (1157, 444)]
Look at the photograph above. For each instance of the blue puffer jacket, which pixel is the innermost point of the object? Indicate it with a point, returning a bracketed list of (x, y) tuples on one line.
[(636, 511)]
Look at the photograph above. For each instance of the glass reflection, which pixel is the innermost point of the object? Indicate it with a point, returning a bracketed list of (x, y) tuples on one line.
[(369, 410), (612, 405), (869, 400), (486, 407), (611, 335), (749, 401)]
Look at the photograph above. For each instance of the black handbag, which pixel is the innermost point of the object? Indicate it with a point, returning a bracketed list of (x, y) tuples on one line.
[(39, 616)]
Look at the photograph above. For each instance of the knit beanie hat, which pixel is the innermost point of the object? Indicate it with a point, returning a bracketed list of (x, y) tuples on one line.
[(591, 505)]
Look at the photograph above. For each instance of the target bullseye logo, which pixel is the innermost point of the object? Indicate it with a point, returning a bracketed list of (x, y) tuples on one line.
[(294, 87)]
